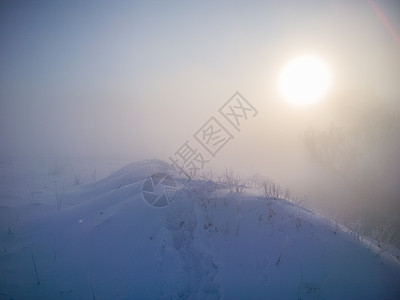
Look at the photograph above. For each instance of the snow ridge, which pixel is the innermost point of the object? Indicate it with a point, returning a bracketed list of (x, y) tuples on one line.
[(210, 243)]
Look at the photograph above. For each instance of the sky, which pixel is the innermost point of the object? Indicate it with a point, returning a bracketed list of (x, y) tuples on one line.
[(136, 80), (124, 78)]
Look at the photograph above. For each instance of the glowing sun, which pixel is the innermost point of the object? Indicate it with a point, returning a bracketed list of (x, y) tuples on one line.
[(304, 79)]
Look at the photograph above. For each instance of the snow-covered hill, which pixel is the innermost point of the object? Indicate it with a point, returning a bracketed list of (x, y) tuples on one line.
[(106, 242)]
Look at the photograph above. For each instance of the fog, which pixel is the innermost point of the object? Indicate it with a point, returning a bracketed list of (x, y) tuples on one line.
[(136, 80)]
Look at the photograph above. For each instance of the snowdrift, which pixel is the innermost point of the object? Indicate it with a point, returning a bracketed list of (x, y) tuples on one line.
[(106, 242)]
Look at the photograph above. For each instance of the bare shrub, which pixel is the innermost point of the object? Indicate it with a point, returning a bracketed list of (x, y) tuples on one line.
[(235, 182), (34, 191), (204, 191), (78, 180), (271, 189), (94, 176), (356, 228), (58, 194), (385, 235)]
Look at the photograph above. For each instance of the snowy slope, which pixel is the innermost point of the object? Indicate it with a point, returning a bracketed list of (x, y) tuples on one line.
[(106, 242)]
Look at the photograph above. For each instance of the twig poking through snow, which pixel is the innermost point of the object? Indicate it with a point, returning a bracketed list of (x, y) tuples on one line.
[(91, 289), (36, 272)]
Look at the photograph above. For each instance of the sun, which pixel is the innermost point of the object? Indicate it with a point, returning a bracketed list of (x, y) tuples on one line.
[(304, 79)]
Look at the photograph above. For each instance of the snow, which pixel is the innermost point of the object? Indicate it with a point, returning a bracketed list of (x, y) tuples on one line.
[(106, 242)]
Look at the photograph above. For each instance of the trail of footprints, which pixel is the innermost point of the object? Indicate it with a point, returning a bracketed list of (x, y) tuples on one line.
[(200, 268)]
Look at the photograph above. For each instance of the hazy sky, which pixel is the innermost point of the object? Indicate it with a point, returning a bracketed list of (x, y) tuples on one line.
[(137, 79)]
